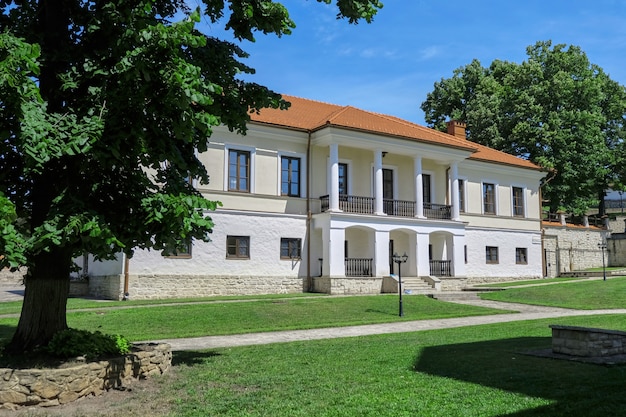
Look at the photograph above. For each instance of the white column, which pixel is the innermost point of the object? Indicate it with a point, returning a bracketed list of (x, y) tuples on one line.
[(333, 165), (454, 173), (336, 256), (458, 256), (423, 263), (419, 188), (381, 253), (378, 182)]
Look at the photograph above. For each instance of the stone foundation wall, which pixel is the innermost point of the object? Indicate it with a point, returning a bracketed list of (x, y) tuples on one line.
[(587, 342), (146, 287), (50, 387), (12, 278), (347, 286)]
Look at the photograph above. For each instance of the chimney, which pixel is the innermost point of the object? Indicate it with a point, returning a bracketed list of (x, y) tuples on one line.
[(457, 129)]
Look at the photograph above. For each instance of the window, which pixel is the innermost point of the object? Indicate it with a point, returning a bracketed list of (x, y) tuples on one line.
[(518, 202), (343, 179), (489, 198), (290, 176), (426, 188), (238, 170), (521, 256), (462, 196), (491, 254), (465, 253), (238, 247), (290, 248), (183, 252)]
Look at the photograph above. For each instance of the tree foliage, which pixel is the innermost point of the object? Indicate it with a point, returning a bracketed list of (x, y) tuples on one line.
[(104, 107), (555, 109)]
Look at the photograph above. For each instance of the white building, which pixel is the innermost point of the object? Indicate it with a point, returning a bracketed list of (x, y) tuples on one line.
[(318, 198)]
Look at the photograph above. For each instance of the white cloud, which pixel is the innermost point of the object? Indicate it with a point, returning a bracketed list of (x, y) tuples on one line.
[(429, 53)]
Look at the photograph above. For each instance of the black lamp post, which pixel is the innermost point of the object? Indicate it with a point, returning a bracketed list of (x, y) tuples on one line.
[(603, 247), (400, 259)]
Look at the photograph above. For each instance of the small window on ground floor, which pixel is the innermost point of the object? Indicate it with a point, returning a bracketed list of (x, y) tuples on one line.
[(182, 252), (238, 247), (491, 253), (521, 256), (290, 248)]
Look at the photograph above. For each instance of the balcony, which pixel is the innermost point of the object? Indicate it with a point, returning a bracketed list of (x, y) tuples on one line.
[(358, 267), (396, 208), (441, 268)]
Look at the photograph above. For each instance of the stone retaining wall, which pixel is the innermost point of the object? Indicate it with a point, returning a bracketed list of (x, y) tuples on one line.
[(50, 387), (587, 342), (348, 286)]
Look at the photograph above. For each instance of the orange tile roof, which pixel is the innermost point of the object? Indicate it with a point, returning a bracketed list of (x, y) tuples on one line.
[(313, 115)]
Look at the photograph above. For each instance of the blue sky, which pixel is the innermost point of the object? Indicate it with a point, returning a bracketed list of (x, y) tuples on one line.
[(390, 65)]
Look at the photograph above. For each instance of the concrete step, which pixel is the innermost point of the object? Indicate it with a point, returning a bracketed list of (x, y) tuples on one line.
[(455, 295), (416, 285)]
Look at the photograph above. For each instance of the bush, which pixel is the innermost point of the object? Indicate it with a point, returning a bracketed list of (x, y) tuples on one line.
[(72, 343)]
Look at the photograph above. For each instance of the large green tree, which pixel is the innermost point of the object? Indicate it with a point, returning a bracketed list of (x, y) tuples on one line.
[(104, 106), (555, 109)]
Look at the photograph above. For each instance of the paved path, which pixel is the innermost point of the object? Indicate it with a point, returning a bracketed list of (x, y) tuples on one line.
[(522, 312), (519, 312)]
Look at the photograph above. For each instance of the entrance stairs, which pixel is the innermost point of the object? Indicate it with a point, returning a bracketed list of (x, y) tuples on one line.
[(416, 285)]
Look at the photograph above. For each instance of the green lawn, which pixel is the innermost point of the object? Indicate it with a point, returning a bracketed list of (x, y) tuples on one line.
[(232, 317), (470, 371), (473, 371), (527, 282), (583, 295)]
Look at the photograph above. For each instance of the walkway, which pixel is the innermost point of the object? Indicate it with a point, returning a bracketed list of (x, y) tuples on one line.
[(519, 312), (522, 312)]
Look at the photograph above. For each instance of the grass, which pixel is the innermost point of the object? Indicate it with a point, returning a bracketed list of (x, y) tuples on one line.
[(14, 307), (474, 371), (232, 317), (584, 295), (527, 282), (470, 371)]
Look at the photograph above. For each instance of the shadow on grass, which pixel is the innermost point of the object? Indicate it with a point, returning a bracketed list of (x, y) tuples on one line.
[(6, 333), (576, 389), (191, 358)]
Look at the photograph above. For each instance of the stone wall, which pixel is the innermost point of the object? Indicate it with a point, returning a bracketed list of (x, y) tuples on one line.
[(616, 247), (572, 248), (12, 278), (50, 387), (347, 286), (587, 342), (146, 287)]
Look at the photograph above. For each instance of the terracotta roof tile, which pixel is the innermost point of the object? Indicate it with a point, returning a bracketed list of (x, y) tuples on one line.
[(314, 115)]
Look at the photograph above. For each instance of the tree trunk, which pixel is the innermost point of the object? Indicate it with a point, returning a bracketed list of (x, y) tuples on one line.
[(601, 205), (45, 301)]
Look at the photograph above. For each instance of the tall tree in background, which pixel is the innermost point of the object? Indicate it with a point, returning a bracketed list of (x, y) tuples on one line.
[(555, 109), (103, 108)]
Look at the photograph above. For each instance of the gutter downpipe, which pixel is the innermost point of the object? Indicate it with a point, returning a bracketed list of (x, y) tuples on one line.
[(126, 266), (544, 266), (309, 279)]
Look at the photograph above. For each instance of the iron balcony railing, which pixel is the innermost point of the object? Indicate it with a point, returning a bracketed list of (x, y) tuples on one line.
[(358, 267), (437, 211), (441, 268), (398, 208)]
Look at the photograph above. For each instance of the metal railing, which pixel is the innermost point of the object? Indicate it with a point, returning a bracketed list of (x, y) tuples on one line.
[(351, 204), (398, 208), (358, 267), (437, 211), (441, 268)]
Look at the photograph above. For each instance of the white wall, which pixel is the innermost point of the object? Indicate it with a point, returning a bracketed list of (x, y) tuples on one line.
[(506, 241), (208, 259)]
